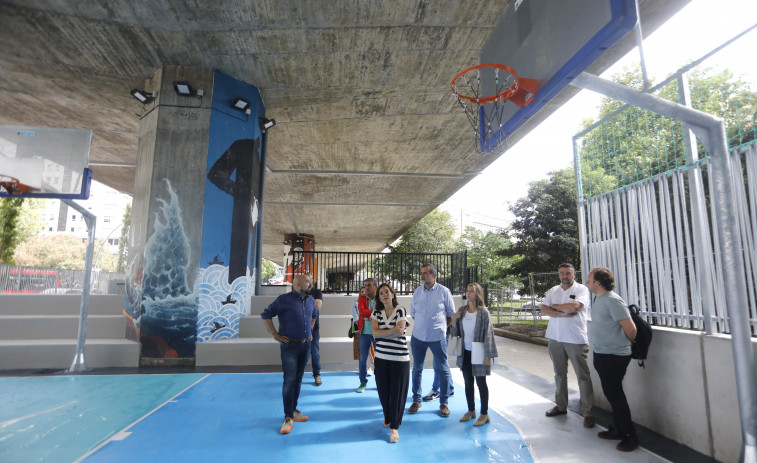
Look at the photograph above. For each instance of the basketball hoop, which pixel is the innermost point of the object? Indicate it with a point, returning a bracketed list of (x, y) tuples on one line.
[(11, 185), (482, 91)]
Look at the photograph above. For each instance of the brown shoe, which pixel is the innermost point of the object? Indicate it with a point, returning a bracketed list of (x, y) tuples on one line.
[(555, 411), (414, 408), (589, 421), (444, 410), (286, 428), (300, 417)]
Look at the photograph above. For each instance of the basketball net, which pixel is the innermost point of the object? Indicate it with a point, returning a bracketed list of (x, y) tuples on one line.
[(484, 104)]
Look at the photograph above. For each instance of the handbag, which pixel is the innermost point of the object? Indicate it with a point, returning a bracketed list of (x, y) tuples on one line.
[(352, 330), (455, 346)]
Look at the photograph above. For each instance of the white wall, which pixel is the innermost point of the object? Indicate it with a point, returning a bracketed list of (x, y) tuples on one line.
[(687, 392)]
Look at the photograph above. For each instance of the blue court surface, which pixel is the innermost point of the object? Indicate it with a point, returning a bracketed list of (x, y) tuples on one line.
[(237, 416), (230, 417)]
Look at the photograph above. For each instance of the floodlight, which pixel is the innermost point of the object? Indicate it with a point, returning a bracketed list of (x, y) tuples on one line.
[(184, 89), (141, 96), (240, 104), (266, 124)]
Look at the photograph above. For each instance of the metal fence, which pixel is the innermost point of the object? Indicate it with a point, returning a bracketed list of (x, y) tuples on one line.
[(344, 272), (16, 279)]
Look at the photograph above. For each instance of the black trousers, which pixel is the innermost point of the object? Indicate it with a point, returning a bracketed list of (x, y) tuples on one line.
[(611, 370), (392, 382), (483, 388)]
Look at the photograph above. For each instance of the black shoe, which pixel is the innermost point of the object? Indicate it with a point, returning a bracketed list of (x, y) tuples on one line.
[(628, 444), (555, 411), (610, 434), (431, 396)]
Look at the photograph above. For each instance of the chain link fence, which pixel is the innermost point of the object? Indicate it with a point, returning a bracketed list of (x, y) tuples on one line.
[(16, 279)]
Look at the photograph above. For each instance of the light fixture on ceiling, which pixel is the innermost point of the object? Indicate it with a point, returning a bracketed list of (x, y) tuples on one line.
[(240, 104), (266, 124), (184, 89), (142, 96)]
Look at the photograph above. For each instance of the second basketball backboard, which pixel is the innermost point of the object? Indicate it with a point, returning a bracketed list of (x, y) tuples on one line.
[(551, 41), (43, 162)]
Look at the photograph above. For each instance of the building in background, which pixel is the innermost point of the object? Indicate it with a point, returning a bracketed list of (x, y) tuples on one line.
[(107, 204)]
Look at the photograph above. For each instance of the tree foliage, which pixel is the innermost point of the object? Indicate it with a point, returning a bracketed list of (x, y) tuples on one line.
[(60, 251), (635, 144), (545, 228), (485, 249), (268, 270), (434, 233), (123, 241), (10, 209)]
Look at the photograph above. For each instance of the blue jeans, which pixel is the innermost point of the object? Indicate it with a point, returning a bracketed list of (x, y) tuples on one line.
[(365, 351), (315, 353), (294, 358), (441, 366), (435, 386)]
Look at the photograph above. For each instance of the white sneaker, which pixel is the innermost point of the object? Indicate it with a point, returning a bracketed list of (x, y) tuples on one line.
[(370, 371)]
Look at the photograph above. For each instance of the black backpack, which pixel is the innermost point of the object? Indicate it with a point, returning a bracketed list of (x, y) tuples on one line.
[(640, 345)]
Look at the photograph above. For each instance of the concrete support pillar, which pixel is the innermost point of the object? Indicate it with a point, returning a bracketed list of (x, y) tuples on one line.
[(194, 217)]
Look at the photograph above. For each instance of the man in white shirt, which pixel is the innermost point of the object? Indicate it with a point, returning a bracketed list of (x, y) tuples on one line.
[(566, 305)]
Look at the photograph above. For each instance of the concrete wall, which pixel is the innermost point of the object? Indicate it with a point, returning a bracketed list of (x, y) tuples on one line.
[(687, 392)]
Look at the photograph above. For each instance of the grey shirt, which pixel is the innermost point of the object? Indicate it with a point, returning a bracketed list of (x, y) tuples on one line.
[(605, 333)]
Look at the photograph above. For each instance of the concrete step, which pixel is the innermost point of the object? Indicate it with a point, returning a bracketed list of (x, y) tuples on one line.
[(265, 351), (28, 327), (59, 353), (38, 304), (330, 326)]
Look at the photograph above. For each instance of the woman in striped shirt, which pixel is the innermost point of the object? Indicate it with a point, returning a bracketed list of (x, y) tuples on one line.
[(392, 373)]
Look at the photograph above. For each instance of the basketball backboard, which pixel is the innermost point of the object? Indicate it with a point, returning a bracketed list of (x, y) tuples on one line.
[(43, 162), (551, 41)]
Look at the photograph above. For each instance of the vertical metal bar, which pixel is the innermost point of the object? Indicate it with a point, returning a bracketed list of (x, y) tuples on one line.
[(79, 364)]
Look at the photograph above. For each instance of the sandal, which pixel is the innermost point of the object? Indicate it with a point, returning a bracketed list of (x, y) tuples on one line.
[(394, 436)]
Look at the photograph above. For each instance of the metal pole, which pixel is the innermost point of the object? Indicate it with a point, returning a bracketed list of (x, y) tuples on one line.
[(261, 202), (711, 131), (79, 364)]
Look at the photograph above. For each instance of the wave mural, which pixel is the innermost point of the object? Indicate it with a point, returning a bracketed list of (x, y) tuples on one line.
[(222, 304)]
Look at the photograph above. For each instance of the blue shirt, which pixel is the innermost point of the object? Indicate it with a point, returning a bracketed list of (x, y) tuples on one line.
[(430, 309), (295, 313), (317, 294)]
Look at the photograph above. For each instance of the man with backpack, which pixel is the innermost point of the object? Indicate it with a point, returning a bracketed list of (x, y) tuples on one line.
[(611, 333)]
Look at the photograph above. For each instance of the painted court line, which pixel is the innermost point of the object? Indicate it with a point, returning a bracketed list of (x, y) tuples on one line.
[(123, 434)]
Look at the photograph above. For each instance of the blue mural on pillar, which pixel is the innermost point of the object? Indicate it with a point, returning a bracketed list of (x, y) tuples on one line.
[(160, 302), (230, 219)]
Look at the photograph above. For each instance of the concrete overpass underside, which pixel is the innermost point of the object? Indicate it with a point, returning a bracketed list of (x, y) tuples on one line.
[(369, 138)]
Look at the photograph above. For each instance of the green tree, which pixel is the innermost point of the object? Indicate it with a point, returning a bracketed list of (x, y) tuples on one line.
[(435, 233), (123, 241), (545, 228), (10, 209), (267, 271), (635, 144), (485, 249), (60, 251)]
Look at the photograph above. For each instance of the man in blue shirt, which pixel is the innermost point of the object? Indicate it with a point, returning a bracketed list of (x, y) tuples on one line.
[(297, 314), (431, 307), (315, 349)]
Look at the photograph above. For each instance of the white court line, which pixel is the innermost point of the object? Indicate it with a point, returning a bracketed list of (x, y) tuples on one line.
[(123, 434), (34, 415)]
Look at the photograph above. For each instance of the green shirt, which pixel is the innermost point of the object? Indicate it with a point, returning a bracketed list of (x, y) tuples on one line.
[(367, 326), (605, 333)]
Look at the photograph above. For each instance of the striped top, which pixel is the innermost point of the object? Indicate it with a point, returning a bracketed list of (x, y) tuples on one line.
[(391, 347)]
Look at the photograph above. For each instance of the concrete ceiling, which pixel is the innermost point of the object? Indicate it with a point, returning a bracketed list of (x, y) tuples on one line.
[(368, 139)]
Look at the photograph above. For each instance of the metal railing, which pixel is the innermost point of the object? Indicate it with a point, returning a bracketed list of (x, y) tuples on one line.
[(17, 279), (344, 272)]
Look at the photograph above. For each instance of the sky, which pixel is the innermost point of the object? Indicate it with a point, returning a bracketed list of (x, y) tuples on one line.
[(697, 29)]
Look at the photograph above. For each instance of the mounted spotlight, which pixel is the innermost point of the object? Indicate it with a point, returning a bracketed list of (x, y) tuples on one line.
[(141, 96), (184, 89), (240, 104), (266, 124)]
